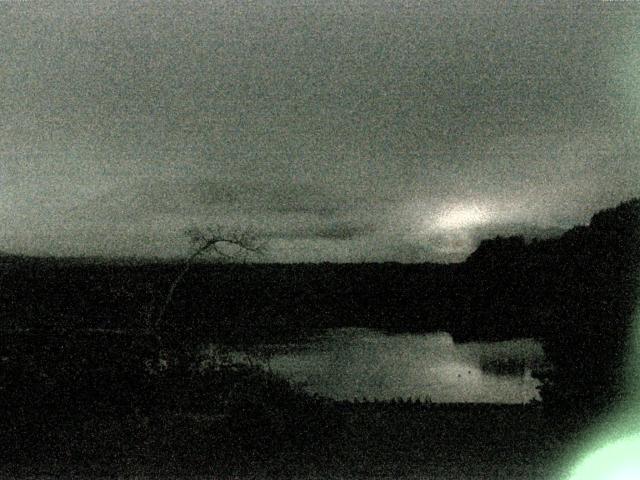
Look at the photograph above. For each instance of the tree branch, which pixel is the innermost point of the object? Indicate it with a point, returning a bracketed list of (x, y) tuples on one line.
[(204, 242)]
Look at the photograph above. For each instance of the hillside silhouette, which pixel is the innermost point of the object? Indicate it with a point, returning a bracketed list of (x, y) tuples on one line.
[(84, 381), (575, 293), (507, 288)]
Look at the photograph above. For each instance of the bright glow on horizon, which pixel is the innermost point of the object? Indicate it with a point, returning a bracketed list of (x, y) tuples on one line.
[(461, 217)]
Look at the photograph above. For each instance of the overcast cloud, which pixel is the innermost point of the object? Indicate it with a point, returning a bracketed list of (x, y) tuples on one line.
[(340, 131)]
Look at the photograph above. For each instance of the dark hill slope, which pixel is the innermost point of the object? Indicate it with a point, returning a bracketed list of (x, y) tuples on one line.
[(506, 289)]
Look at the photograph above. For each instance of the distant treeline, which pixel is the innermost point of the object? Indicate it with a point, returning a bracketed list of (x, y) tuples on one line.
[(507, 288), (425, 404), (576, 293)]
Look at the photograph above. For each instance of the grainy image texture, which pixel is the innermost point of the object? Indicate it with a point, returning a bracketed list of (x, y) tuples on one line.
[(319, 239)]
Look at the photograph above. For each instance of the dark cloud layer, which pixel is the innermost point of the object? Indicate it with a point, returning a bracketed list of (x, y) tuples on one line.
[(340, 130)]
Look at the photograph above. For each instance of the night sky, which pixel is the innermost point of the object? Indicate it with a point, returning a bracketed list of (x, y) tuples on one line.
[(339, 131)]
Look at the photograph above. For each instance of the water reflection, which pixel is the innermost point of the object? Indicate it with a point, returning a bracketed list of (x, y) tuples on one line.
[(357, 362)]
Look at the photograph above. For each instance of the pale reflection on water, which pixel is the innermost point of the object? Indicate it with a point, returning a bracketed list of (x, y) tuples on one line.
[(358, 362)]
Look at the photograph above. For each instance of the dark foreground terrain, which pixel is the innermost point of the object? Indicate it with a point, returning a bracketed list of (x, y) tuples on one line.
[(91, 385), (327, 441), (97, 404)]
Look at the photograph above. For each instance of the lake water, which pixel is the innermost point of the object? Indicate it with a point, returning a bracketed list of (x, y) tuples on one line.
[(352, 363)]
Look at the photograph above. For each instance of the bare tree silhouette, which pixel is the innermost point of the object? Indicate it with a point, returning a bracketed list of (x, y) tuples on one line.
[(225, 243)]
